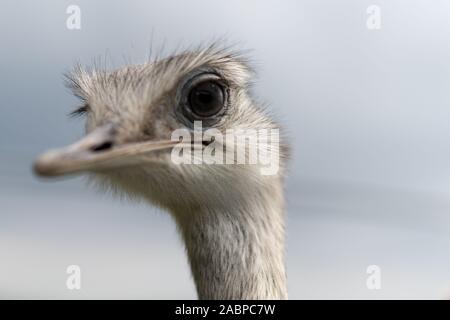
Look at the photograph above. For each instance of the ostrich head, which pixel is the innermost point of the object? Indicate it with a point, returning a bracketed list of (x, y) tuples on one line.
[(132, 113), (131, 116)]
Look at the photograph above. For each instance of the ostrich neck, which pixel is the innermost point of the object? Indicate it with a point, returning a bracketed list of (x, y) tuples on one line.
[(237, 254)]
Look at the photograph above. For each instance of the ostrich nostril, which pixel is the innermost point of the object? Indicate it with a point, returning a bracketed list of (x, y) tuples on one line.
[(102, 147)]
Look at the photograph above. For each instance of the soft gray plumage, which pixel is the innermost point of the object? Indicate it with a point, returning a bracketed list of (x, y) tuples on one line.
[(230, 216)]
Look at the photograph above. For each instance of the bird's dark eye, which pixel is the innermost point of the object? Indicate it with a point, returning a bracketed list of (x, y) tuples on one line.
[(206, 99), (203, 97)]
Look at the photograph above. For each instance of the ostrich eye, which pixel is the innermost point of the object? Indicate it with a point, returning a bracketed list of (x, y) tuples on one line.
[(206, 99)]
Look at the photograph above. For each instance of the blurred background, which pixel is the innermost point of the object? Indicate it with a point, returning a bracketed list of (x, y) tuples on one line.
[(368, 113)]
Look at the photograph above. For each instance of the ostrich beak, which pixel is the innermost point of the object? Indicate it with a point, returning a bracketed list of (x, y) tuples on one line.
[(96, 151)]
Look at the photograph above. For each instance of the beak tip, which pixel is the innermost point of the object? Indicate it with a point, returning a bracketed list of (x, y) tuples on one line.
[(40, 169), (43, 166)]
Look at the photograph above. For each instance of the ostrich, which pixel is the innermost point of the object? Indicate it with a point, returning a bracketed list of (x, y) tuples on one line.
[(230, 216)]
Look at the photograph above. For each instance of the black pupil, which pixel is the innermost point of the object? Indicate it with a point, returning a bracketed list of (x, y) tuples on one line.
[(206, 99)]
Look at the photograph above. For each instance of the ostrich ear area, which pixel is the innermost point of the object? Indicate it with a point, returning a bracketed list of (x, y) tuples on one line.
[(96, 151)]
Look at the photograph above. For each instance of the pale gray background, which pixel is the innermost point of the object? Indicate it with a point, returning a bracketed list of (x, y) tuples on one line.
[(368, 113)]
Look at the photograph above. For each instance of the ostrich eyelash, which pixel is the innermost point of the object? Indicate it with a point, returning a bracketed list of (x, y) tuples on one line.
[(79, 111)]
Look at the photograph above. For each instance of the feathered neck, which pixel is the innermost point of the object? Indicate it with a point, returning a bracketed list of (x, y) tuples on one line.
[(238, 253)]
